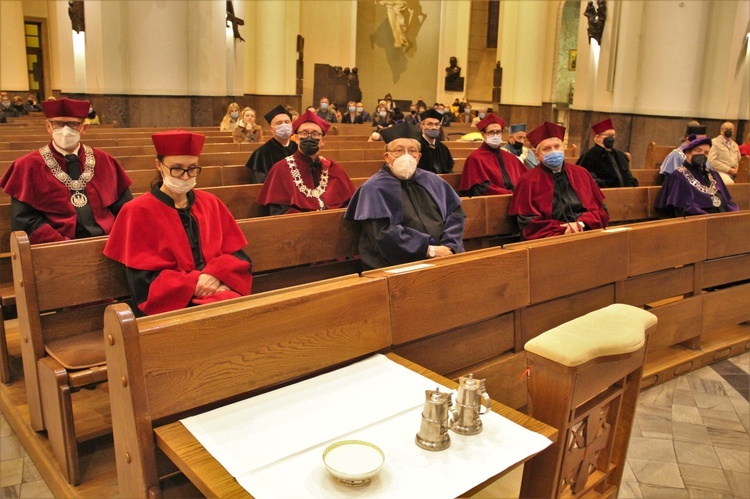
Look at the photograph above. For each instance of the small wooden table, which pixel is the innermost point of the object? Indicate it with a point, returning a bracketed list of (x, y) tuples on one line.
[(213, 480)]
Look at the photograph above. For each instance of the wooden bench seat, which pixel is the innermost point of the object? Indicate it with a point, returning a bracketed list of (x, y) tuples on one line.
[(169, 364)]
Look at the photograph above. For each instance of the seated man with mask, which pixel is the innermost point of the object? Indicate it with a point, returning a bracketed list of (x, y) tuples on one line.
[(306, 181), (516, 138), (406, 214), (490, 169), (279, 147), (609, 166), (65, 190), (694, 188), (556, 198), (436, 157)]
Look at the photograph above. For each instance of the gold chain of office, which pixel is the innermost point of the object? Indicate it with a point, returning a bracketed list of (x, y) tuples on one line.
[(711, 189), (310, 193), (78, 198)]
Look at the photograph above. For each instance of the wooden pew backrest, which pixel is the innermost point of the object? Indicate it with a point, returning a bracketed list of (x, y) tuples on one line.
[(170, 364)]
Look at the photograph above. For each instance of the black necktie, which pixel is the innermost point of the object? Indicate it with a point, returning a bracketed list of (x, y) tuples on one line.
[(74, 166)]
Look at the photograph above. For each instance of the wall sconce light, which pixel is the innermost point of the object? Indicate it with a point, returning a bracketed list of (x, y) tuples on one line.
[(235, 21), (596, 16), (76, 14)]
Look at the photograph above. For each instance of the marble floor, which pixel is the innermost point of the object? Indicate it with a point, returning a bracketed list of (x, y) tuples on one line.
[(691, 439)]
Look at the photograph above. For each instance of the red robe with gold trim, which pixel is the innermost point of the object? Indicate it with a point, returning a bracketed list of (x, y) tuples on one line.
[(30, 181), (279, 186)]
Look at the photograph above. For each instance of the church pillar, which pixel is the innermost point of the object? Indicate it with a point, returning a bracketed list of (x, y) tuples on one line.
[(526, 50), (13, 69), (272, 58), (162, 69), (455, 30)]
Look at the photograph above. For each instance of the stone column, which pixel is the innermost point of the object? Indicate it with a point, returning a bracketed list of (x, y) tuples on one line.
[(13, 69)]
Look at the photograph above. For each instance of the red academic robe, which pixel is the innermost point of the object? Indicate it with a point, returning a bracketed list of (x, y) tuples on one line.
[(30, 181), (148, 235), (483, 165), (279, 186), (533, 198)]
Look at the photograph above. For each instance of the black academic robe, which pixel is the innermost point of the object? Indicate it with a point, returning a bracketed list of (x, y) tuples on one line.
[(399, 219), (267, 155), (608, 168), (435, 158)]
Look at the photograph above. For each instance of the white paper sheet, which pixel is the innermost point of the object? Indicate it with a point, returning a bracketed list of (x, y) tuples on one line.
[(273, 444)]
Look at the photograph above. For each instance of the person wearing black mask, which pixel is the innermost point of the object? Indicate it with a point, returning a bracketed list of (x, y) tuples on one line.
[(725, 153), (305, 181), (609, 166), (693, 188), (413, 118), (516, 138)]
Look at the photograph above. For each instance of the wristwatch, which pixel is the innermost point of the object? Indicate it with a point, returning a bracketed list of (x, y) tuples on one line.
[(431, 251)]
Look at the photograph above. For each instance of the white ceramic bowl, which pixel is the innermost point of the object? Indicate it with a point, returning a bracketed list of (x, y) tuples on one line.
[(353, 462)]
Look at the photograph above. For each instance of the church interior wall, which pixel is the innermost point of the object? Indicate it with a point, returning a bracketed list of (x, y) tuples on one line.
[(406, 73), (168, 63), (13, 51)]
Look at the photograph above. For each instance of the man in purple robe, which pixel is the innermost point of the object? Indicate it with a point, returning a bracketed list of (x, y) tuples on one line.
[(693, 188), (406, 214)]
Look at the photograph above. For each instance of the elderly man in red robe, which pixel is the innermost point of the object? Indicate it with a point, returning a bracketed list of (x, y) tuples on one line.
[(306, 181), (180, 247), (556, 197), (490, 169), (65, 190)]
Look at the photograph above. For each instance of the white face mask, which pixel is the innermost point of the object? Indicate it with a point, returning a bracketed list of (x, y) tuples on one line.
[(283, 131), (179, 186), (66, 138), (404, 166), (494, 141)]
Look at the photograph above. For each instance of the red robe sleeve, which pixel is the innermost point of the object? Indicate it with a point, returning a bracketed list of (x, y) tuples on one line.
[(483, 166)]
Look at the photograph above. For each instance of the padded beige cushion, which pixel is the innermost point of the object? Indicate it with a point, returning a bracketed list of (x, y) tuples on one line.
[(78, 352), (612, 330)]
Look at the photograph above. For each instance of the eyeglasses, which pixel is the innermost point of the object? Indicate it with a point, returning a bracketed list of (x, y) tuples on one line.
[(177, 171), (73, 125), (306, 134), (494, 133), (397, 153), (431, 125)]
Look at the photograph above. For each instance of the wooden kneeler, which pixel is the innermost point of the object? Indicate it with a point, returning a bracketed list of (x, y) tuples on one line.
[(584, 380)]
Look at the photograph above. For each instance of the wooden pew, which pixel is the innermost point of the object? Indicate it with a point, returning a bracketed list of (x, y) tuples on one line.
[(165, 365), (61, 328), (647, 176), (655, 155)]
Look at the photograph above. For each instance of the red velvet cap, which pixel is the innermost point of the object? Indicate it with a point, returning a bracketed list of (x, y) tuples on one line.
[(313, 117), (66, 107), (490, 119), (178, 143), (603, 126), (545, 131)]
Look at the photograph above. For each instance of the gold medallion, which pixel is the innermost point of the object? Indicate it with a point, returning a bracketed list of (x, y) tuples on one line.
[(79, 199)]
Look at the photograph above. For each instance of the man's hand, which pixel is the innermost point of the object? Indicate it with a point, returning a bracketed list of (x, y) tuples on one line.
[(207, 285), (572, 227), (442, 251)]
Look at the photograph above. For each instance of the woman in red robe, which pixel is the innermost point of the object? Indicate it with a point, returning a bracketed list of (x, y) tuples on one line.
[(180, 247)]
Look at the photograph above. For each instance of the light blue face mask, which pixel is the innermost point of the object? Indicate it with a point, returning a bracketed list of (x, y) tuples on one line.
[(432, 133), (234, 115), (481, 116), (352, 109), (323, 106), (554, 159)]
